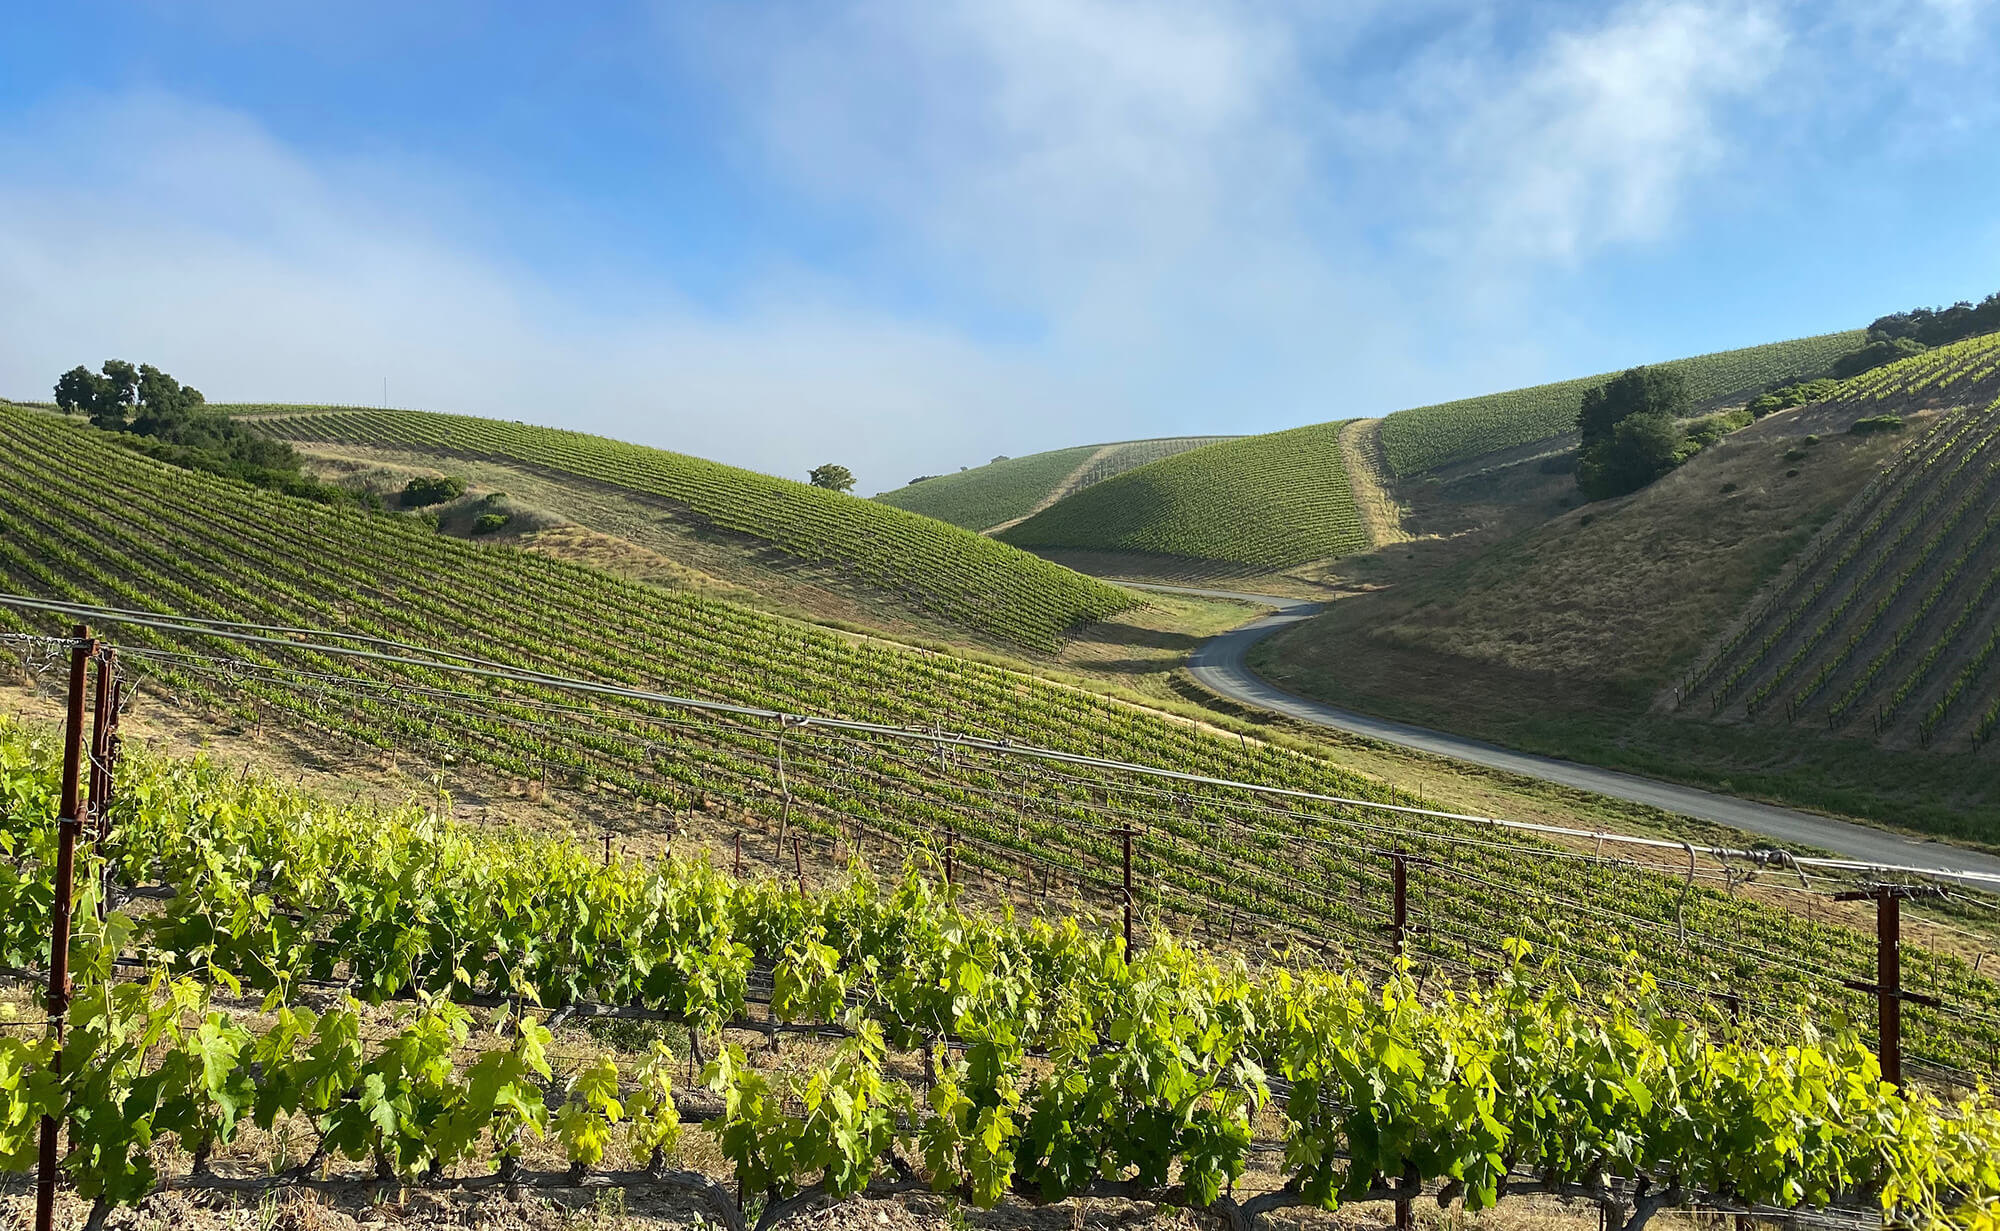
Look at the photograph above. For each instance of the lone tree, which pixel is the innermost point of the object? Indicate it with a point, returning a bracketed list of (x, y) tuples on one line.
[(1630, 429), (110, 396), (833, 478)]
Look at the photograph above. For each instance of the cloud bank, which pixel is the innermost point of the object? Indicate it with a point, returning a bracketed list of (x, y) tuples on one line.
[(1068, 221)]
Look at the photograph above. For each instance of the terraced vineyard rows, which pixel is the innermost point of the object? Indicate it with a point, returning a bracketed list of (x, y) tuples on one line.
[(950, 572), (1264, 501), (1153, 1072), (1886, 615), (83, 520), (1427, 437)]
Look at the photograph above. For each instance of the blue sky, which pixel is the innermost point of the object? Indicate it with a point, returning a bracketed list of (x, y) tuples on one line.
[(913, 234)]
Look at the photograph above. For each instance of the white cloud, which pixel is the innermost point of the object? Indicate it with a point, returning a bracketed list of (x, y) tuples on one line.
[(1192, 215), (156, 231), (1593, 139)]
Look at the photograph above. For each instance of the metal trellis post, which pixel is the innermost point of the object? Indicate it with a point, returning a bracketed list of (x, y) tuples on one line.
[(1126, 833), (1888, 985), (69, 823)]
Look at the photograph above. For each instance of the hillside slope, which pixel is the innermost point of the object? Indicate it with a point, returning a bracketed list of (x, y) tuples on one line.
[(948, 572), (1426, 437), (1565, 638), (82, 519), (985, 497), (1886, 624), (1261, 501)]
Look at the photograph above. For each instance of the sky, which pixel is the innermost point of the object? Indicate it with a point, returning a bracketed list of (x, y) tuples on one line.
[(911, 235)]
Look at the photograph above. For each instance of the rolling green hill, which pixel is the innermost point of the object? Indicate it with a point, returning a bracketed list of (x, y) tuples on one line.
[(1264, 501), (1426, 437), (1005, 491), (85, 520), (946, 571), (988, 495)]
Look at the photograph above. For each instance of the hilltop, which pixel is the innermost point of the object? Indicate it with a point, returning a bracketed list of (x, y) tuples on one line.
[(1265, 502), (1008, 489), (1426, 438), (754, 532)]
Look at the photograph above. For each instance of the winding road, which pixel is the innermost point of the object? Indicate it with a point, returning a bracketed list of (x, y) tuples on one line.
[(1220, 665)]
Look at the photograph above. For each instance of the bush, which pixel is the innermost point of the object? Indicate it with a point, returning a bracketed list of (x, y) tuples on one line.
[(1795, 455), (1706, 431), (1802, 393), (422, 492), (1877, 423), (487, 523)]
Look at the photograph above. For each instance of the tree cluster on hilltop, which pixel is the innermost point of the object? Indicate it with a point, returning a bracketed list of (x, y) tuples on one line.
[(158, 415), (1902, 334)]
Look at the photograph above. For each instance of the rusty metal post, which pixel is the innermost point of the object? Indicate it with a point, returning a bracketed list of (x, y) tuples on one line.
[(799, 864), (1889, 981), (69, 822), (950, 856), (1888, 985), (1399, 880), (1126, 833)]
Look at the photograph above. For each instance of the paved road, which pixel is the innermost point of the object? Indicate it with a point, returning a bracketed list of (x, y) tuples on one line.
[(1219, 663)]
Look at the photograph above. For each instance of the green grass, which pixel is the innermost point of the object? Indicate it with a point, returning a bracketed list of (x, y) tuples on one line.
[(944, 570), (85, 520), (1266, 501), (988, 495), (1427, 437)]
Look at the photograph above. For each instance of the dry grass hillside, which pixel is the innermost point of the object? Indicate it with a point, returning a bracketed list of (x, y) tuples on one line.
[(1517, 615)]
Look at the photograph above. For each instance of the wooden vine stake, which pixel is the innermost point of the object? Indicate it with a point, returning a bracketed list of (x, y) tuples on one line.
[(69, 823)]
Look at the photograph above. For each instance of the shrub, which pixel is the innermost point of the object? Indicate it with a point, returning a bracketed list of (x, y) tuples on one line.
[(1795, 455), (1727, 488), (1706, 431), (422, 492), (1877, 423), (487, 523)]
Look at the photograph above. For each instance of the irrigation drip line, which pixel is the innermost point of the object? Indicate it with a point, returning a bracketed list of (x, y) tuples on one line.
[(251, 634)]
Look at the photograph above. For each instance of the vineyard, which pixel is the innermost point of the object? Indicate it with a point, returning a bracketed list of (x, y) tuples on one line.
[(1884, 624), (1005, 491), (1427, 437), (247, 958), (959, 576), (84, 521), (1267, 501), (988, 495)]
